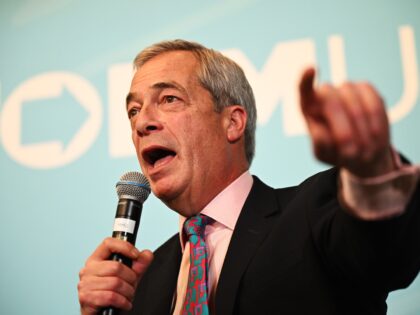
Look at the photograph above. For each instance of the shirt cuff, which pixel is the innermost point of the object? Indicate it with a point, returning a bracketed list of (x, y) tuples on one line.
[(380, 197)]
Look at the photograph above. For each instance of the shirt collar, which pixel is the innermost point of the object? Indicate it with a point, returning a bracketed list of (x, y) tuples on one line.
[(226, 207)]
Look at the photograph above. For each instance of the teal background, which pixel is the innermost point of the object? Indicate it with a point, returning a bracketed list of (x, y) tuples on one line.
[(52, 218)]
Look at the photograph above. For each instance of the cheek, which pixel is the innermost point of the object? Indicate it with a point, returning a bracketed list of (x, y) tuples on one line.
[(134, 136), (137, 148)]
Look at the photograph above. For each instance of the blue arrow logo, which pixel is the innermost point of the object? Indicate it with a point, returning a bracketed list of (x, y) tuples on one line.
[(57, 118)]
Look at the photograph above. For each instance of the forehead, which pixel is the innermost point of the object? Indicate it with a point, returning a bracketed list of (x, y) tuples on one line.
[(175, 69), (180, 65)]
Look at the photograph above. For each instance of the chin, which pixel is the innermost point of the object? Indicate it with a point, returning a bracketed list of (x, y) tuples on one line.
[(166, 193), (173, 193), (173, 205)]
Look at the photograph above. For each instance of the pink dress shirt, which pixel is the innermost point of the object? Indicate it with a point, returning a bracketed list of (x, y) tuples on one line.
[(224, 209)]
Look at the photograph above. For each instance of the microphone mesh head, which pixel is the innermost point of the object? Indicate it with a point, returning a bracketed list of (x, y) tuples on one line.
[(133, 185)]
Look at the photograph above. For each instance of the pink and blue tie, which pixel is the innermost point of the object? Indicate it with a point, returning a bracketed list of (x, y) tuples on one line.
[(196, 300)]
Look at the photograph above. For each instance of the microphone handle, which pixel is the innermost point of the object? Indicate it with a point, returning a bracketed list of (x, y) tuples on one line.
[(110, 311), (126, 261), (127, 210)]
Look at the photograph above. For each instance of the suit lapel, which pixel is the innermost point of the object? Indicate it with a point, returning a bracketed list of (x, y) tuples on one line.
[(254, 223), (155, 294)]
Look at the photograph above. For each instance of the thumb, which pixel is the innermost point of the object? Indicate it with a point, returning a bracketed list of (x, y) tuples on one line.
[(142, 262)]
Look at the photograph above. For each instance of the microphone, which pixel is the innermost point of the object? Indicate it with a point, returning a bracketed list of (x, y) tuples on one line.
[(133, 189)]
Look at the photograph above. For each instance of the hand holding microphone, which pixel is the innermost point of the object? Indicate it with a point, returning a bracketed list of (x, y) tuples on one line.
[(105, 282)]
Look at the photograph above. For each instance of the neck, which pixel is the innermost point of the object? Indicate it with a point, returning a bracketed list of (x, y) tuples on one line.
[(195, 202)]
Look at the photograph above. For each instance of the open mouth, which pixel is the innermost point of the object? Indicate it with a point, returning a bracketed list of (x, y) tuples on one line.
[(158, 155)]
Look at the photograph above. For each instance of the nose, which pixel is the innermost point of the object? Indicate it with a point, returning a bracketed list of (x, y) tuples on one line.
[(148, 120)]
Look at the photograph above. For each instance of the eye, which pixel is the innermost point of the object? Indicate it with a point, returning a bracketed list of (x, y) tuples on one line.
[(170, 99), (132, 112)]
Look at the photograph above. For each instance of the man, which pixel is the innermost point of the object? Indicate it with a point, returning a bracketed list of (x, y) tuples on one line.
[(336, 244)]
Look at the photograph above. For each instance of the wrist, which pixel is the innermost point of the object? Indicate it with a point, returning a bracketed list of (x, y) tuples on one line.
[(385, 163)]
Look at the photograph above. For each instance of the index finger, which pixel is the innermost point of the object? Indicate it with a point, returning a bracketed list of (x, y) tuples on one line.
[(112, 245), (306, 88)]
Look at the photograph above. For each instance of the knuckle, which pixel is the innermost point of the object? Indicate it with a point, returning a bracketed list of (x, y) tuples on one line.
[(357, 113), (349, 150), (344, 139), (134, 277), (115, 268), (115, 245), (376, 110), (115, 283), (131, 293), (376, 133), (84, 298), (366, 85), (107, 242), (325, 88), (111, 298), (108, 297), (346, 85), (82, 272), (80, 286), (128, 246)]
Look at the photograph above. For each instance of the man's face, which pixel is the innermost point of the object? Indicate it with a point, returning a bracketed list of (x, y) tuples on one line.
[(180, 140)]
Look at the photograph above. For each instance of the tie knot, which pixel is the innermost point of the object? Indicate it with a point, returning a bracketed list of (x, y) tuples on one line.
[(196, 225)]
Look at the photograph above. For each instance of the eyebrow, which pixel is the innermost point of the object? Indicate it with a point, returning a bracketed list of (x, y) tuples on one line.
[(128, 99), (157, 86)]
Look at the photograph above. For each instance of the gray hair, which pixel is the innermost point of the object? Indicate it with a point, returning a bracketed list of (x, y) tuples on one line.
[(218, 74)]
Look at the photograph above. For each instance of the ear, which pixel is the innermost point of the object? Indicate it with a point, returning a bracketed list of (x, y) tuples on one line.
[(236, 118)]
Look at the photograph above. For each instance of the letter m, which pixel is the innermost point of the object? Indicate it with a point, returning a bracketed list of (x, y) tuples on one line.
[(277, 82)]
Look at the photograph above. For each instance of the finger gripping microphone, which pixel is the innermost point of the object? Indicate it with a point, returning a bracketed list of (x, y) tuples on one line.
[(133, 189)]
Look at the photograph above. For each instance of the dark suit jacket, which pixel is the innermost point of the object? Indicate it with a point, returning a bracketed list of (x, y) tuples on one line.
[(295, 251)]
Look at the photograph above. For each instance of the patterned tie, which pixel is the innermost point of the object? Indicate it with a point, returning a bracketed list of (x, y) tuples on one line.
[(196, 299)]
